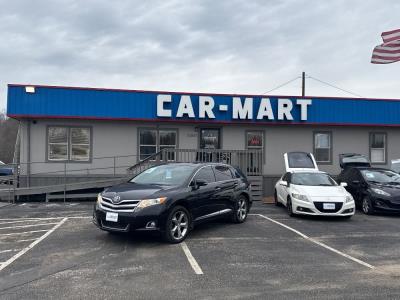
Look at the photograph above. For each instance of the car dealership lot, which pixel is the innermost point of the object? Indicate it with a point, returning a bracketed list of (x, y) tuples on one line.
[(277, 257)]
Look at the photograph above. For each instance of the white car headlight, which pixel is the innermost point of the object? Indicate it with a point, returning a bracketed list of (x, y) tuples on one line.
[(150, 202), (380, 192), (300, 197), (349, 199)]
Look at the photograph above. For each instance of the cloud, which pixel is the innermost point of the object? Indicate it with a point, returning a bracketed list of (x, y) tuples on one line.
[(209, 46)]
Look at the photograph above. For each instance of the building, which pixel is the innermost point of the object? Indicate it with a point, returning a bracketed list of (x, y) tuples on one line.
[(88, 132)]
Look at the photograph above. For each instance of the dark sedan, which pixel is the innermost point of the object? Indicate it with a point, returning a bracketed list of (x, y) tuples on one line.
[(373, 189), (172, 198)]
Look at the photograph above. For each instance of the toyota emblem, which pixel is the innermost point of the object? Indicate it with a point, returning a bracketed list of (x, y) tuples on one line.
[(116, 199)]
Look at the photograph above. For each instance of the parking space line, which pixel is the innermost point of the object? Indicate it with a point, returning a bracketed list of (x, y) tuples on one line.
[(33, 244), (25, 226), (27, 240), (25, 232), (317, 242), (195, 266), (9, 250)]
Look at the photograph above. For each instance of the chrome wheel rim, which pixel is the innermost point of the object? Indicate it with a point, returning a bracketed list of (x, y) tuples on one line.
[(242, 209), (365, 206), (179, 225)]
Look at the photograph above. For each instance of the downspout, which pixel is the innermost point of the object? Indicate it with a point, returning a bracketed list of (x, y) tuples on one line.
[(28, 166)]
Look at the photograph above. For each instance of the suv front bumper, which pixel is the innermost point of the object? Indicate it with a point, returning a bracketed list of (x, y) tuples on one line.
[(150, 218)]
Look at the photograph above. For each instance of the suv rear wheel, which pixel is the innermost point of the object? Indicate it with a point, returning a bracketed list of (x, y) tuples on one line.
[(177, 226)]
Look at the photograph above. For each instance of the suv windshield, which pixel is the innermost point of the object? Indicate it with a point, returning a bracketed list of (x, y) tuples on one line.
[(381, 176), (312, 179), (165, 175)]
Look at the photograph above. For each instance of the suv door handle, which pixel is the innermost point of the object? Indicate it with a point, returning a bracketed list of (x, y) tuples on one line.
[(218, 188)]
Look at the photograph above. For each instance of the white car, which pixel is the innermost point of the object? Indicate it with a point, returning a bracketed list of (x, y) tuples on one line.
[(305, 190)]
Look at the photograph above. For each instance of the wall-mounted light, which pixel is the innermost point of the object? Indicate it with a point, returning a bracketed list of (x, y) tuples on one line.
[(30, 89)]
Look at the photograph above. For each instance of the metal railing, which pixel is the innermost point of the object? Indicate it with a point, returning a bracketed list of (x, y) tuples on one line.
[(249, 161)]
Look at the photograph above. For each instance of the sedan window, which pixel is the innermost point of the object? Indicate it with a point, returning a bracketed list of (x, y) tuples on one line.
[(313, 179), (165, 175)]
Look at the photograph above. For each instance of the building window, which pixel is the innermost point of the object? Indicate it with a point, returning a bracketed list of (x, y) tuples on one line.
[(323, 147), (378, 147), (68, 144), (152, 140), (254, 140)]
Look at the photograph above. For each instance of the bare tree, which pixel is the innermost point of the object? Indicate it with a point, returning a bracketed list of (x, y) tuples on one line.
[(8, 135)]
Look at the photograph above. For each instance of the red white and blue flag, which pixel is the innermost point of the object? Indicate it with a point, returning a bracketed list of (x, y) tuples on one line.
[(389, 51)]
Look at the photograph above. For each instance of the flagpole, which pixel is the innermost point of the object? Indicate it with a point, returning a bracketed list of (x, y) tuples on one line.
[(303, 84)]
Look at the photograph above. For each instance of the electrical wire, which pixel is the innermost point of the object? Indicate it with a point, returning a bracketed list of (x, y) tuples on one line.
[(334, 86), (283, 84)]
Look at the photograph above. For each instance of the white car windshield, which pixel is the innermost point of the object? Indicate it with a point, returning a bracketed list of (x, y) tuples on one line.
[(313, 179), (165, 175), (381, 176)]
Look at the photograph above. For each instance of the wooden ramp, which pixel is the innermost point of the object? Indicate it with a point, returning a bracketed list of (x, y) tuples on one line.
[(38, 190)]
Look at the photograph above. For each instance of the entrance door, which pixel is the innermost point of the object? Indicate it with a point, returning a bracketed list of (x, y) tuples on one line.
[(210, 138)]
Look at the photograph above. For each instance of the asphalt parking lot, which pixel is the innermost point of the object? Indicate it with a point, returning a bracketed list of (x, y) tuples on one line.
[(54, 251)]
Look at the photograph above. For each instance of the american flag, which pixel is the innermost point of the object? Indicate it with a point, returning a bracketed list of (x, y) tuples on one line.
[(389, 51)]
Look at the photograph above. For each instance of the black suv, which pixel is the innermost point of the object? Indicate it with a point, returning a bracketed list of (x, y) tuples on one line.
[(373, 189), (171, 198)]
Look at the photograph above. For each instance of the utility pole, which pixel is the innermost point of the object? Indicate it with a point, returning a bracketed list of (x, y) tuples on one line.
[(303, 84)]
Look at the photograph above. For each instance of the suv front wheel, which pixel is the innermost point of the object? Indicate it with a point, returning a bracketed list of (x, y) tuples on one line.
[(241, 209), (177, 226)]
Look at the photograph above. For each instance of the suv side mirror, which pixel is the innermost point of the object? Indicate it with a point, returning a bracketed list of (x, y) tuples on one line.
[(343, 184), (283, 182), (197, 183)]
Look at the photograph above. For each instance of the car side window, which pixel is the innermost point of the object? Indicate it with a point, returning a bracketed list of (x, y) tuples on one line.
[(222, 173), (206, 174), (236, 173)]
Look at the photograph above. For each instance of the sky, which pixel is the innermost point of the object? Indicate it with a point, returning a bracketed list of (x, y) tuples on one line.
[(205, 46)]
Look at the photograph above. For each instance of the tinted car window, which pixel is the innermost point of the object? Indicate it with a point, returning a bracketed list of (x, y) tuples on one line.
[(313, 179), (222, 173), (206, 174)]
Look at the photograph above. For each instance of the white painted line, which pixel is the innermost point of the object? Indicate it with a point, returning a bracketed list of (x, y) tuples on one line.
[(31, 219), (317, 242), (25, 232), (25, 226), (195, 266), (10, 250), (33, 244), (21, 221), (27, 240)]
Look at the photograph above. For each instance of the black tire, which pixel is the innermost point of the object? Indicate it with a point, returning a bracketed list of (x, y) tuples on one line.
[(289, 207), (241, 210), (366, 206), (177, 226), (277, 203)]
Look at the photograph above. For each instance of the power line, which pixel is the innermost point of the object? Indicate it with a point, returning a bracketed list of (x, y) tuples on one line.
[(283, 84), (334, 86)]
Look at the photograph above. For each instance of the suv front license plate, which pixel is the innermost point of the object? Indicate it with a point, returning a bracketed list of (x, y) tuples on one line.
[(329, 206), (112, 217)]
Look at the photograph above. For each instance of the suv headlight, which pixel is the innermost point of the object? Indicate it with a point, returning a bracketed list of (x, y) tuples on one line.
[(98, 199), (300, 197), (349, 199), (150, 202), (380, 192)]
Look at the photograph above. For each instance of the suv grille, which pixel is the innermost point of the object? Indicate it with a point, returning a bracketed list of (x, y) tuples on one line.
[(123, 206), (320, 207)]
